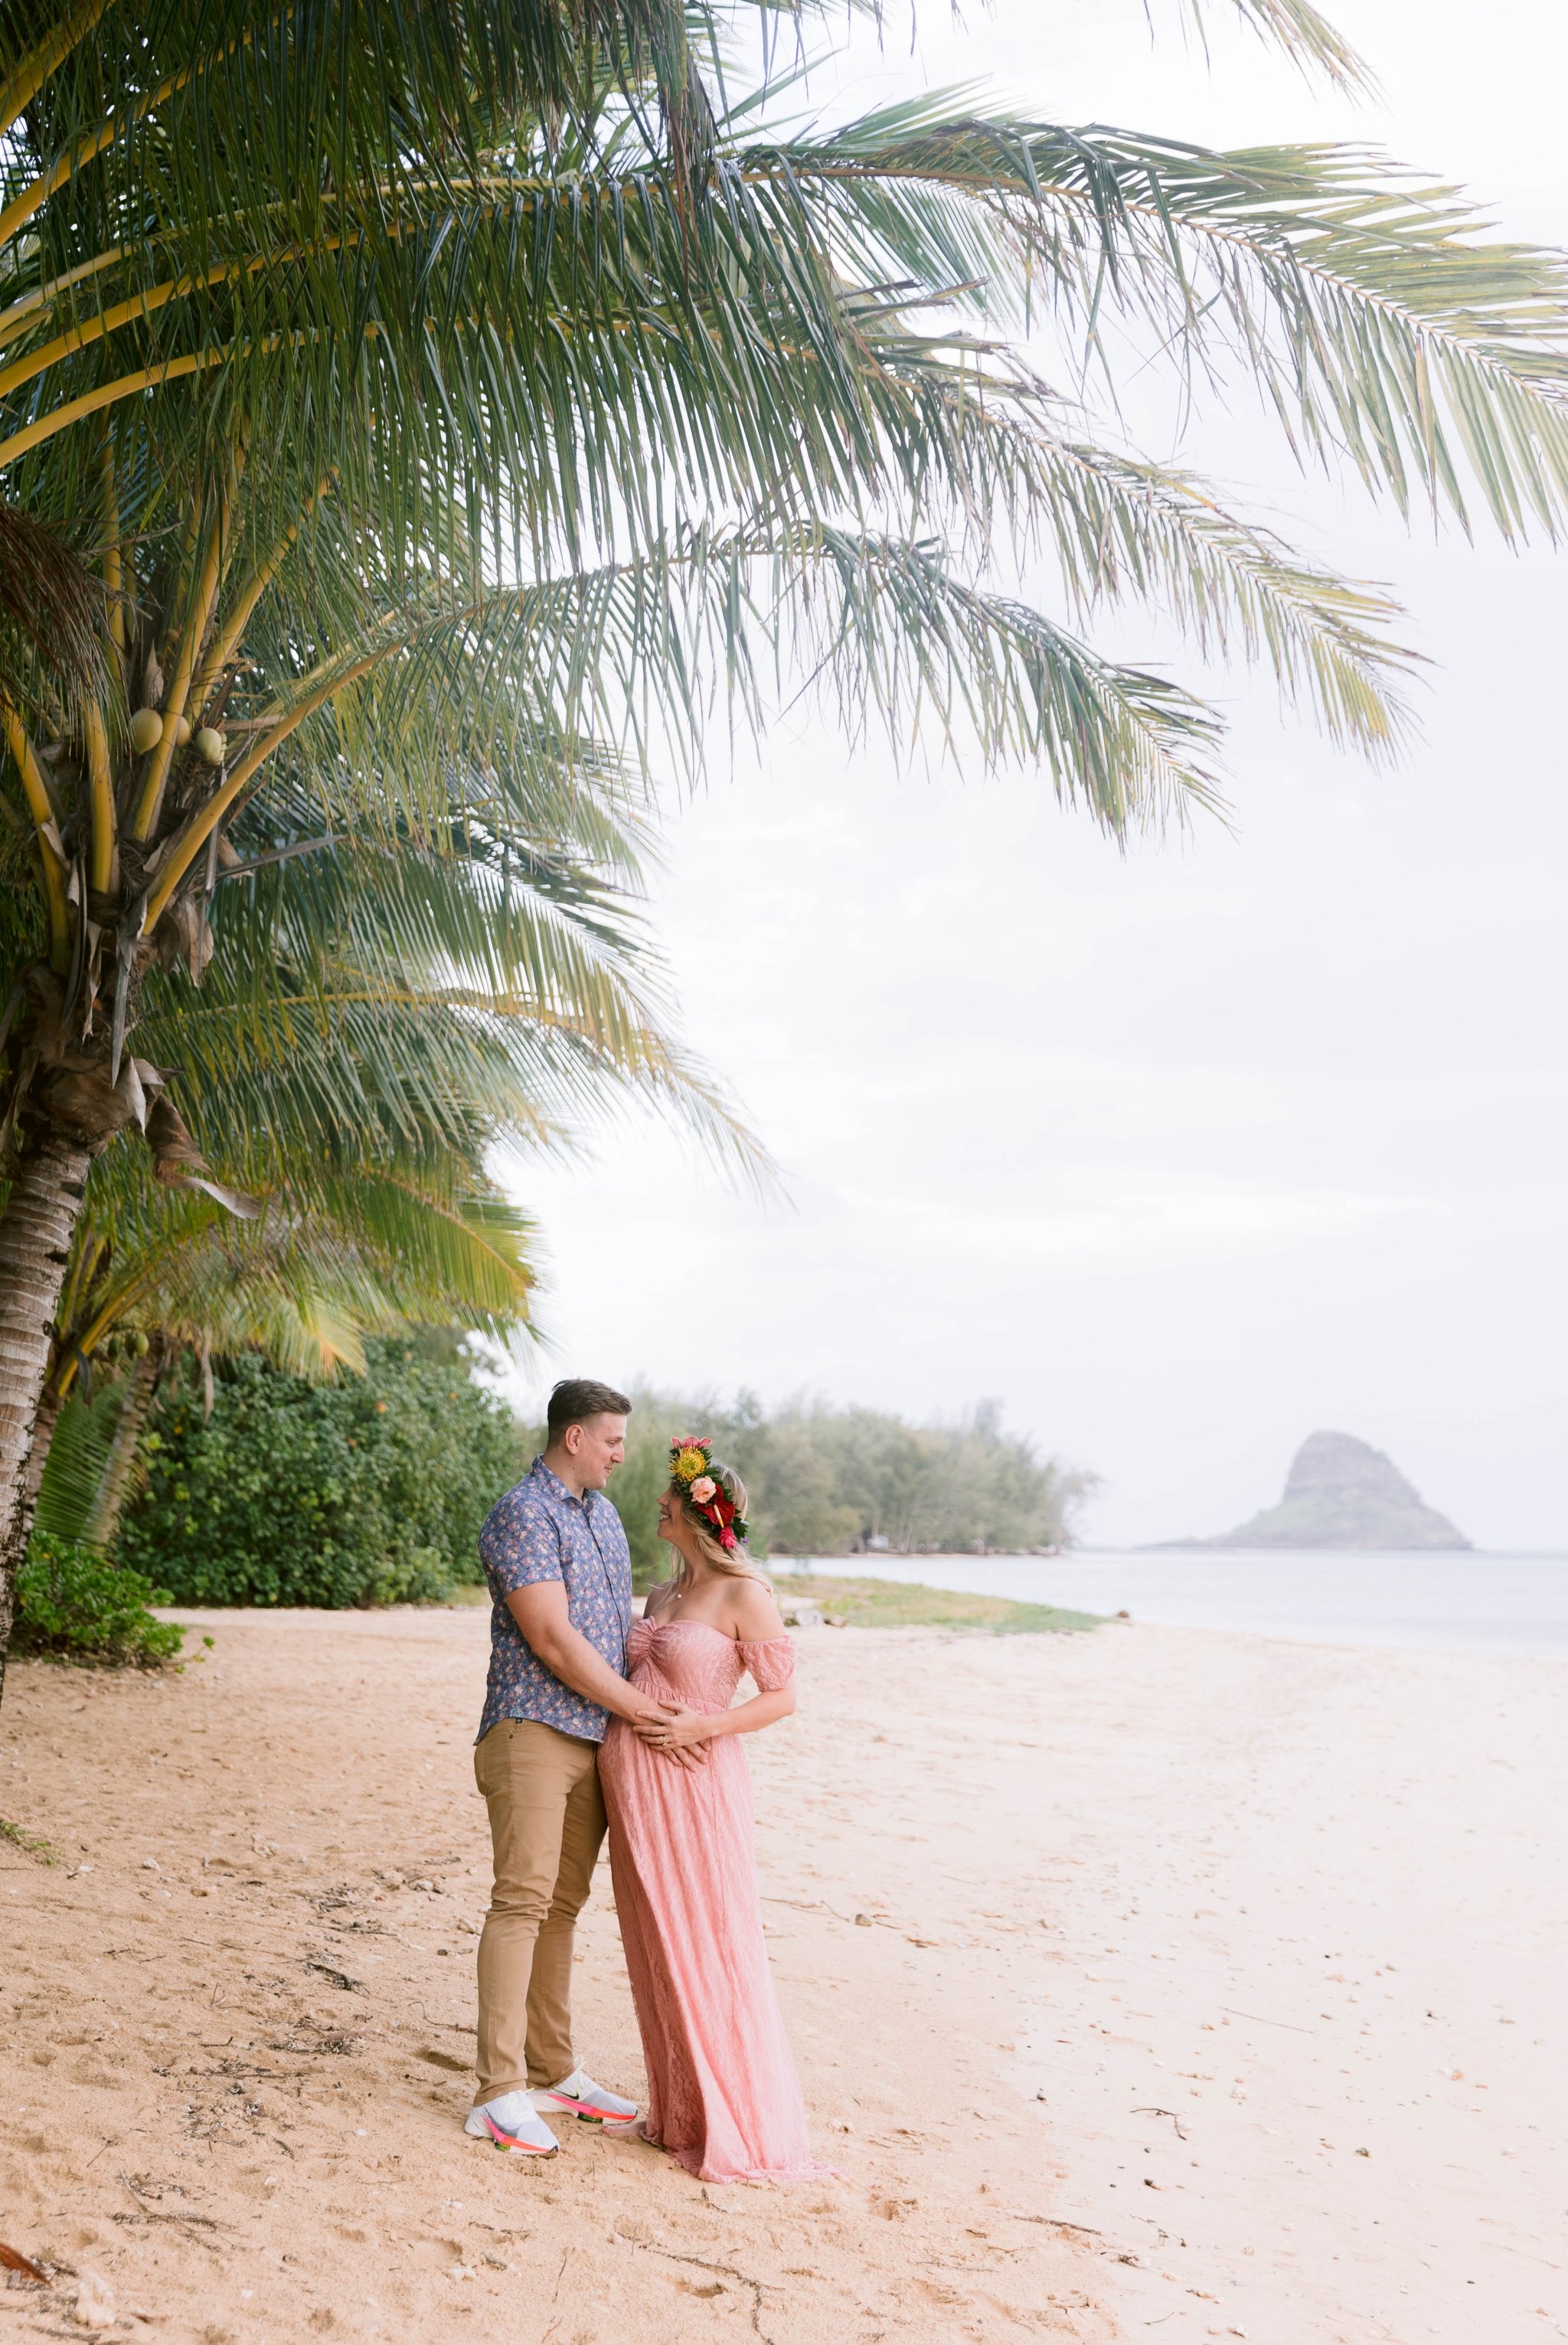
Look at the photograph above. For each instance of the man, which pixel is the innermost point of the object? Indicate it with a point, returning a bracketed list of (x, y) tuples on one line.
[(560, 1580)]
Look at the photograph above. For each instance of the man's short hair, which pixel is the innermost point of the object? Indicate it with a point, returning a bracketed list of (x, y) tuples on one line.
[(577, 1398)]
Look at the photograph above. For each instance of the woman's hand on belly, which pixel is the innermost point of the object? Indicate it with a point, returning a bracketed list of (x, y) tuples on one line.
[(678, 1733)]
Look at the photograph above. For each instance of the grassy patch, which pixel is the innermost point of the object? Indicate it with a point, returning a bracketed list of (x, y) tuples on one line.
[(898, 1604), (28, 1843), (892, 1604)]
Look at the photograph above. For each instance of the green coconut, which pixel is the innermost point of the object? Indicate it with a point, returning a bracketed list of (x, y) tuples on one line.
[(179, 726), (145, 730), (211, 745)]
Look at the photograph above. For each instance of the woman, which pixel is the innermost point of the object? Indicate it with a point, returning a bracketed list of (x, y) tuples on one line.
[(723, 2095)]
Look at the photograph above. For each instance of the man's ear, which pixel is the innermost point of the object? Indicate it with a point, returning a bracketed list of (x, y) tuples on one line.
[(572, 1440)]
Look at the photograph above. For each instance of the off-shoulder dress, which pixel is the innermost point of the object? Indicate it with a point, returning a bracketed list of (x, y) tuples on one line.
[(723, 2095)]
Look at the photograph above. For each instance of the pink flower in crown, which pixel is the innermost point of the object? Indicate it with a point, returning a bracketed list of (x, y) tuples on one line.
[(726, 1539), (702, 1489)]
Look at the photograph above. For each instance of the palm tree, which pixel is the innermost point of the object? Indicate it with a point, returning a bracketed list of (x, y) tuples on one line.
[(452, 402), (131, 147)]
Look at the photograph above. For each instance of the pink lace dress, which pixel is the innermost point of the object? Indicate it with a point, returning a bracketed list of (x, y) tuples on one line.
[(723, 2095)]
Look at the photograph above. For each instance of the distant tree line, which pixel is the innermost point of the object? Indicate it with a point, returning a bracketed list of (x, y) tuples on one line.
[(827, 1480)]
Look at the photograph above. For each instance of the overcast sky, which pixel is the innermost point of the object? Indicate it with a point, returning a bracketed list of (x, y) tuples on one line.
[(1184, 1152)]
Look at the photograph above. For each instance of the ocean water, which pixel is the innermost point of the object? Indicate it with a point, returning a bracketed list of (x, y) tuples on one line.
[(1466, 1603)]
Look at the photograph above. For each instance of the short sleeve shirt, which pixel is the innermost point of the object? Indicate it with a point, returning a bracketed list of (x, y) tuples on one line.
[(540, 1530)]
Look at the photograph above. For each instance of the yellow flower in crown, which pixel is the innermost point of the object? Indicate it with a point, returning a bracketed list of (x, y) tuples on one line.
[(687, 1464)]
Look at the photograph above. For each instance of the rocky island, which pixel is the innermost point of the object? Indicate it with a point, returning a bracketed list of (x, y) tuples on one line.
[(1343, 1493)]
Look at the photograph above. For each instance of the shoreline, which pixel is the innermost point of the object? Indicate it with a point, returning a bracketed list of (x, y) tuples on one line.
[(1162, 1930), (1388, 1601)]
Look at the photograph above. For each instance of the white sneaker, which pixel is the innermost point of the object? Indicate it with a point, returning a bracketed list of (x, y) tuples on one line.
[(586, 2100), (511, 2123)]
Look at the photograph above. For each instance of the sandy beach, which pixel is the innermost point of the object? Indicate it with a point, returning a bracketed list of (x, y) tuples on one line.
[(1149, 1982)]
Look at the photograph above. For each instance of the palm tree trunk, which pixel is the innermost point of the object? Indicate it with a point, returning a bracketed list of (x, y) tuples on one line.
[(118, 1466), (35, 1248)]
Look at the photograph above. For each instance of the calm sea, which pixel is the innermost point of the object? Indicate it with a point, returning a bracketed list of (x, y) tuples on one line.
[(1469, 1603)]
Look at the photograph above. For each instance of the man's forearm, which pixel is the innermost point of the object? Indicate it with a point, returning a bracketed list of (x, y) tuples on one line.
[(569, 1656)]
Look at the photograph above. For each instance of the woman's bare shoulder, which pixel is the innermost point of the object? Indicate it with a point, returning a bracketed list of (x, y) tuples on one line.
[(755, 1614)]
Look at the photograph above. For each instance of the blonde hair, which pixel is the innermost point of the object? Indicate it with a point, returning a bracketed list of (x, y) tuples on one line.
[(730, 1562)]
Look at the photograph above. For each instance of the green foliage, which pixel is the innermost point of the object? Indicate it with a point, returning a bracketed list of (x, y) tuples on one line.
[(824, 1480), (76, 1605), (371, 1490)]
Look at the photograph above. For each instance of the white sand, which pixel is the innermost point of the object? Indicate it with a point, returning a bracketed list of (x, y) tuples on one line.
[(1208, 1914)]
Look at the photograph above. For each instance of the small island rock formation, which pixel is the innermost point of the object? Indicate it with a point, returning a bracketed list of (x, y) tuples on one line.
[(1342, 1492)]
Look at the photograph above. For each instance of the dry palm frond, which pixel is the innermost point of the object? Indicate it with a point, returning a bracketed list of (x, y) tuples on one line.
[(52, 608)]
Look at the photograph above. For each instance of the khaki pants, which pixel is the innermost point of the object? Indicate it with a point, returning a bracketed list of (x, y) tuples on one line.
[(546, 1825)]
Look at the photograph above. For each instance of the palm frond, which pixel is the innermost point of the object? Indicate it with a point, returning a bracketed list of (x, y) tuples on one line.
[(328, 1264), (733, 618), (79, 1453), (384, 1001), (1378, 316), (1306, 38), (1125, 528)]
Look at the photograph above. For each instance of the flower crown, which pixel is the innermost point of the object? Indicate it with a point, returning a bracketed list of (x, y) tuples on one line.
[(691, 1467)]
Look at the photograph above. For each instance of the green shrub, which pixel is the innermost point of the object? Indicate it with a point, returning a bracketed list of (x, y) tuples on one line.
[(75, 1605), (368, 1491)]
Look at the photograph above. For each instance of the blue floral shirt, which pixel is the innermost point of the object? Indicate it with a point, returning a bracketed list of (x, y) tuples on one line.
[(540, 1531)]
